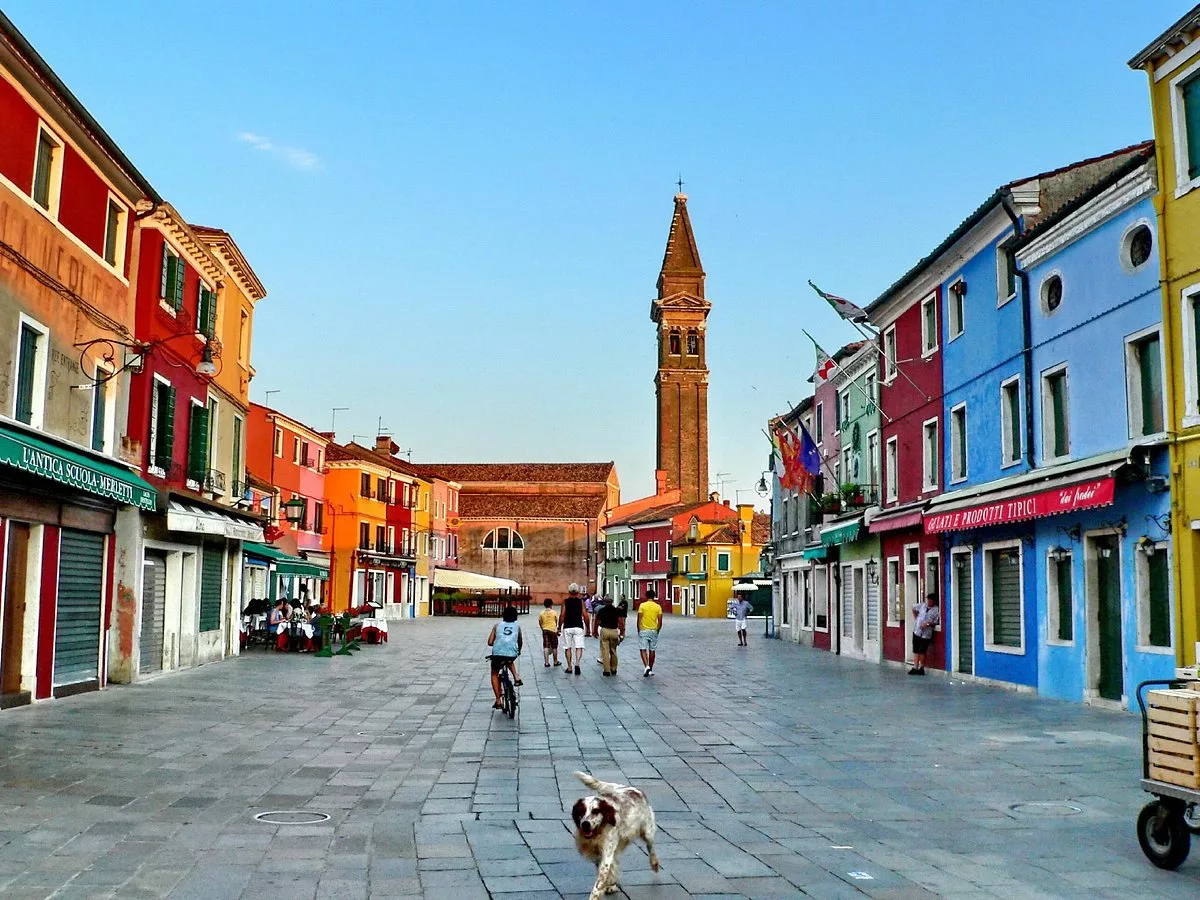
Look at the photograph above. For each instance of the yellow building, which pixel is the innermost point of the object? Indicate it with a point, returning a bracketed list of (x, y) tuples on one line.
[(707, 557), (1172, 63)]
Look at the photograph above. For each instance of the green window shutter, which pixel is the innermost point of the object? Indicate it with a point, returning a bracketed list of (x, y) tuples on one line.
[(211, 321), (212, 564), (166, 430), (1159, 600), (1006, 598), (1150, 370), (98, 411), (26, 368), (180, 273), (201, 307), (1058, 402), (1191, 114), (198, 444), (41, 174), (165, 273), (1066, 608), (110, 234)]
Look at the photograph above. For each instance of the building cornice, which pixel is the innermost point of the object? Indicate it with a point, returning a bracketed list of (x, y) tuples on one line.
[(227, 251), (173, 225)]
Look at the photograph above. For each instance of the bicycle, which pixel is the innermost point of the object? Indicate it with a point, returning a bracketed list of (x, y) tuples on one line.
[(508, 692)]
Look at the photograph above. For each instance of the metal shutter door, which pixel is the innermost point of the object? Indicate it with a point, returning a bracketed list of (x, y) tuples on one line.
[(210, 587), (872, 609), (1006, 598), (847, 601), (964, 601), (80, 595), (154, 602)]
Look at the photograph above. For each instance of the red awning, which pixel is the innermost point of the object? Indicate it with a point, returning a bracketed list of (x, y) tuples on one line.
[(1085, 495), (895, 523)]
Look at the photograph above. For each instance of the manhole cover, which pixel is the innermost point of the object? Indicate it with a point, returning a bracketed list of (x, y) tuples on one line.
[(292, 817), (1047, 809)]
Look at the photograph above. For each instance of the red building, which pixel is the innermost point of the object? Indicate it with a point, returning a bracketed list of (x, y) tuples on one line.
[(910, 399)]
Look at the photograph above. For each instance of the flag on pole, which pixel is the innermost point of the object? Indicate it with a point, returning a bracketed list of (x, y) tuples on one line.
[(825, 364), (842, 306), (810, 456)]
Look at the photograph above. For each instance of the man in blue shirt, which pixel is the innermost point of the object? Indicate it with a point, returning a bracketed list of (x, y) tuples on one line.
[(506, 643), (741, 609)]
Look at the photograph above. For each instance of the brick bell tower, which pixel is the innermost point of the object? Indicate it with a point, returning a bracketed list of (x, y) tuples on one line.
[(681, 385)]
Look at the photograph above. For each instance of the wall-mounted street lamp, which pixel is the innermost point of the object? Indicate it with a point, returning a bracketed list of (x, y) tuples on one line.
[(136, 352), (873, 571), (294, 510), (762, 488)]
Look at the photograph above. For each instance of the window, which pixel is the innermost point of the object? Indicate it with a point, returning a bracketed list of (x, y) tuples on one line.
[(364, 485), (820, 422), (895, 603), (933, 576), (171, 279), (206, 310), (1010, 422), (213, 419), (652, 551), (235, 467), (364, 535), (1006, 273), (1137, 244), (197, 458), (318, 523), (889, 354), (958, 443), (637, 551), (406, 542), (704, 561), (102, 397), (1144, 385), (1188, 97), (29, 400), (1154, 596), (674, 343), (844, 410), (929, 325), (161, 443), (806, 599), (1056, 437), (1004, 599), (693, 344), (114, 234), (722, 561), (303, 523), (956, 308), (931, 455), (847, 468), (243, 336), (296, 457), (1051, 293), (503, 539), (687, 563), (380, 538), (892, 466), (701, 594), (279, 442), (873, 467), (821, 598), (872, 389), (1060, 596), (47, 171)]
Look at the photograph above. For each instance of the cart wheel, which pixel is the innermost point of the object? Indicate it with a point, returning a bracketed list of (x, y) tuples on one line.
[(1191, 818), (1164, 835)]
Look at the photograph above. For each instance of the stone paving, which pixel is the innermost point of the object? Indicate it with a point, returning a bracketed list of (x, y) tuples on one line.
[(775, 771)]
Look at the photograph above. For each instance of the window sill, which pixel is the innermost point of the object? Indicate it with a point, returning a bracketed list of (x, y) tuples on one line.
[(166, 307), (1186, 187), (928, 353), (1010, 464), (1006, 300), (959, 480), (1058, 643), (1008, 651), (1190, 420), (954, 337), (155, 470), (1157, 651)]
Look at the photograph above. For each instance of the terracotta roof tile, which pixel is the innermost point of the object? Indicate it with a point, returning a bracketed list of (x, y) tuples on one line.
[(530, 506), (526, 473)]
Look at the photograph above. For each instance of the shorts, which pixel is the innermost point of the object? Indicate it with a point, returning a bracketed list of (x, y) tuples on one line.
[(648, 639), (499, 662), (920, 644), (572, 638), (740, 624), (550, 640)]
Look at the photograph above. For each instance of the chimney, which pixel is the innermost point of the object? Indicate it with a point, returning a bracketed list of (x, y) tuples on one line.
[(660, 482), (746, 522), (328, 434), (385, 446)]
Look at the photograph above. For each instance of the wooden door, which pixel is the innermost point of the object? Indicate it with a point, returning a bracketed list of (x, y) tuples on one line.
[(1108, 608), (12, 616)]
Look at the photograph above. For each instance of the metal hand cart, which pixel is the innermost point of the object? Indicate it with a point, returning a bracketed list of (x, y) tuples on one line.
[(1165, 826)]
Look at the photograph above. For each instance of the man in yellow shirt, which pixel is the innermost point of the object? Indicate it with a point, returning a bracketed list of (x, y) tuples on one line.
[(649, 624), (548, 621)]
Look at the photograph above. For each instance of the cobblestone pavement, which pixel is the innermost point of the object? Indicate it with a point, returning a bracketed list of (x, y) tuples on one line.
[(775, 771)]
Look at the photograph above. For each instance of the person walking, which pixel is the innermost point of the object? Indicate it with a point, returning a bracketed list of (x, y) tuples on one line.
[(548, 621), (610, 625), (589, 606), (571, 625), (741, 609), (649, 624), (927, 616)]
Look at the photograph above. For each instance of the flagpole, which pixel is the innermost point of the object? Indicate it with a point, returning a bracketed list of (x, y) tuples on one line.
[(852, 381), (872, 337)]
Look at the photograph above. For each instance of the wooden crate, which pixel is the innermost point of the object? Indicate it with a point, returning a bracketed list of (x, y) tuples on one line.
[(1173, 746)]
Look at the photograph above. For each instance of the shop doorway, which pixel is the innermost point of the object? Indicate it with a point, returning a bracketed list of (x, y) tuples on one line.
[(1104, 602), (962, 588), (154, 612), (12, 615)]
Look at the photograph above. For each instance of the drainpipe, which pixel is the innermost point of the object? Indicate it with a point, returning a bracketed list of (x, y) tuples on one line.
[(1026, 331)]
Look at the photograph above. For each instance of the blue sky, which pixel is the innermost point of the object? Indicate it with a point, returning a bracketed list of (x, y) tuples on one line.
[(459, 210)]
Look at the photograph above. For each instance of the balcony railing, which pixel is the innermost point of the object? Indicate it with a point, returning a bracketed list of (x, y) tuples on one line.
[(214, 481), (240, 490), (309, 462)]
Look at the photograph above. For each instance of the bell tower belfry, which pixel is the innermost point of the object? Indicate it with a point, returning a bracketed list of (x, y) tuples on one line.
[(681, 384)]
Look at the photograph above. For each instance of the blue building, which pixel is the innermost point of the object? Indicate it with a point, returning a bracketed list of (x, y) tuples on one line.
[(1055, 552)]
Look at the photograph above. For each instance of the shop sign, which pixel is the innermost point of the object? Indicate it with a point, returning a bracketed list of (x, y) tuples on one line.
[(1087, 495)]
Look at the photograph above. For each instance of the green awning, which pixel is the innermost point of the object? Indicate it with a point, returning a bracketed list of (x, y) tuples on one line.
[(813, 553), (284, 563), (70, 467), (842, 534)]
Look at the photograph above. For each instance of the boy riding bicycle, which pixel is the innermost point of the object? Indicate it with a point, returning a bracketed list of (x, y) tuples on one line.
[(506, 643)]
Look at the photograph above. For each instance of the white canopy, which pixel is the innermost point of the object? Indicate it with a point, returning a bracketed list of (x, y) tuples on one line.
[(196, 520), (462, 580)]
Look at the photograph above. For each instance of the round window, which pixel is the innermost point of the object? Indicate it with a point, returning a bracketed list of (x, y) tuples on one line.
[(1141, 244), (1052, 289)]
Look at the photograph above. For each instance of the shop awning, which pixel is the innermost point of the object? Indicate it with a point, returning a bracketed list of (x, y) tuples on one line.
[(908, 519), (813, 553), (841, 534), (459, 579), (1049, 501), (43, 458), (284, 563), (198, 520)]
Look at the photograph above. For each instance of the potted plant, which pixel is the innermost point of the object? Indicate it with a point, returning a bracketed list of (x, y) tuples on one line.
[(852, 494), (830, 503)]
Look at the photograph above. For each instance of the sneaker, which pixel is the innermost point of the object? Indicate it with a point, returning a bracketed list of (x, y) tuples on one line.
[(577, 672), (650, 672), (921, 671), (646, 674), (557, 663), (914, 672), (547, 665)]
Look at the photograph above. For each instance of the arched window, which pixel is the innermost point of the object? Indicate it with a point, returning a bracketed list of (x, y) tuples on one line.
[(503, 539), (693, 344), (674, 342)]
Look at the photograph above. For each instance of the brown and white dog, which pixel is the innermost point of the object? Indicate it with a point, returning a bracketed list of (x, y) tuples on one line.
[(605, 823)]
